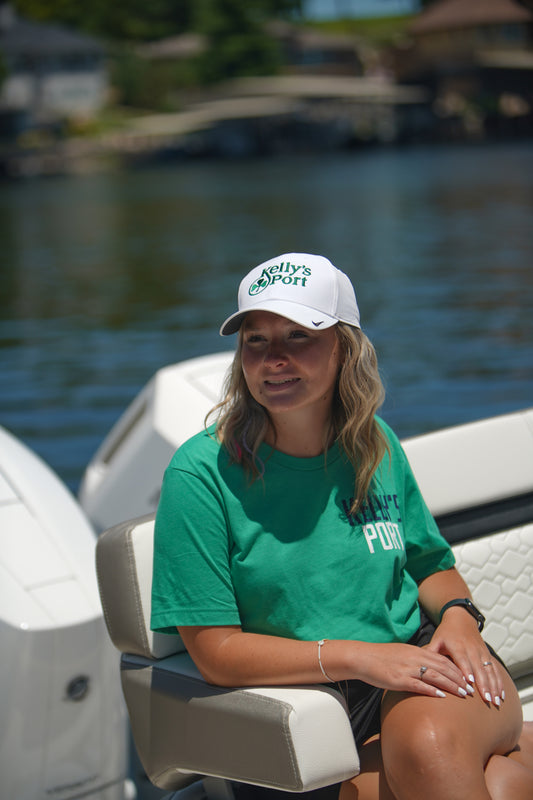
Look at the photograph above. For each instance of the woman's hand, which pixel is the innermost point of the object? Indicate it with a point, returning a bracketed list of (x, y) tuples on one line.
[(458, 638), (407, 668)]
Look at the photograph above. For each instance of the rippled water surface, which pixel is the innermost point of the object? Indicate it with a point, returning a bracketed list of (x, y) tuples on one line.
[(105, 278)]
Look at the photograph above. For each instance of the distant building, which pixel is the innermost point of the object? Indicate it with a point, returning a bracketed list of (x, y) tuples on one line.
[(453, 29), (476, 57), (50, 71), (307, 51), (173, 48)]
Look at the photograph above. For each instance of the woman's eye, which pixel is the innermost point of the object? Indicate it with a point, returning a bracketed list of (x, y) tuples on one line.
[(253, 338), (298, 335)]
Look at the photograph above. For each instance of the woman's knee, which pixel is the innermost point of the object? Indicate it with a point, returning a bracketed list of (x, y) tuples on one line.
[(421, 744), (425, 748), (427, 741)]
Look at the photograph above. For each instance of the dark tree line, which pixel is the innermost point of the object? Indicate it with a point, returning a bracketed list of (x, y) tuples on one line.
[(138, 20), (236, 39)]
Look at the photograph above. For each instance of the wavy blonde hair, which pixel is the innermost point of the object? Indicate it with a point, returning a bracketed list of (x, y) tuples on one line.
[(242, 423)]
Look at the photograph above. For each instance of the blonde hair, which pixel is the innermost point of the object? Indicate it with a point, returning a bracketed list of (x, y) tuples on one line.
[(242, 423)]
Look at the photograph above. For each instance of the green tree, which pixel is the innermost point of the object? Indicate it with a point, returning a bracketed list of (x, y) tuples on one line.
[(3, 71), (135, 20), (139, 20), (238, 43)]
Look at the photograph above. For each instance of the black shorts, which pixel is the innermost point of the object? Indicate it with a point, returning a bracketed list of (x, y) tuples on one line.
[(364, 700), (364, 707)]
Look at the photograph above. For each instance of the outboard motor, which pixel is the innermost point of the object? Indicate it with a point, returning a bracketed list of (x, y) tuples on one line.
[(64, 733), (123, 479)]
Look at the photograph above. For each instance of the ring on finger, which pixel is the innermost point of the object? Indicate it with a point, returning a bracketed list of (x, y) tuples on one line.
[(487, 664), (422, 671)]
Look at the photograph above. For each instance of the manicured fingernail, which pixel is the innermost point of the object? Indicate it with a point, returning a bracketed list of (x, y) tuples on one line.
[(470, 689), (471, 679), (488, 698), (497, 701), (462, 691), (503, 694), (439, 693)]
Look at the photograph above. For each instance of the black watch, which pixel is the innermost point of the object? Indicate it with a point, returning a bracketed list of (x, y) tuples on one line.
[(469, 606)]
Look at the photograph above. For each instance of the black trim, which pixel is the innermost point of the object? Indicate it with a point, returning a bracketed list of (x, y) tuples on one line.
[(483, 520)]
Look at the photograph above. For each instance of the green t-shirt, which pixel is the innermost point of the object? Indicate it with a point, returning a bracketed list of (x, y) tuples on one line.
[(283, 555)]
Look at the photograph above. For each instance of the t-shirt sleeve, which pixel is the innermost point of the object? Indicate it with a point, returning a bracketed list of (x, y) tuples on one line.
[(191, 583), (427, 550)]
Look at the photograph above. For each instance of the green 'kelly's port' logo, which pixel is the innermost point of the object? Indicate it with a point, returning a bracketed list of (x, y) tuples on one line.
[(286, 273)]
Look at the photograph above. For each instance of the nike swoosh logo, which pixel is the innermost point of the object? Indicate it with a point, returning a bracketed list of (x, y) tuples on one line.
[(318, 324)]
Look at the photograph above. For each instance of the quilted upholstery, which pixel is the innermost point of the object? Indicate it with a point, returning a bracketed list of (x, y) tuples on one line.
[(499, 572)]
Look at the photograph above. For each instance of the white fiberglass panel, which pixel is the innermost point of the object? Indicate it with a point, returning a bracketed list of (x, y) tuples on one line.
[(26, 551), (7, 495)]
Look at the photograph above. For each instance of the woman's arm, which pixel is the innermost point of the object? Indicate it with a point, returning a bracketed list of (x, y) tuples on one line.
[(227, 656), (437, 589), (457, 635)]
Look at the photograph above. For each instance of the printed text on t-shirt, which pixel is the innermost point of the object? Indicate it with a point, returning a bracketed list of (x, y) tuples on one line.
[(375, 518)]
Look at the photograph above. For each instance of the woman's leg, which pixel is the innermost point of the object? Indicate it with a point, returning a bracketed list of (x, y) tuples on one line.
[(506, 777), (508, 780), (512, 776), (371, 783), (523, 752), (438, 748)]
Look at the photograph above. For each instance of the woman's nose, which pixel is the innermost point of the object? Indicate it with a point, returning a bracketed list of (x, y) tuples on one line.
[(275, 354)]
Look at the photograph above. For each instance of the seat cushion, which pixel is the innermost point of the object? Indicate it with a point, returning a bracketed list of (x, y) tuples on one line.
[(124, 558), (295, 738), (499, 571)]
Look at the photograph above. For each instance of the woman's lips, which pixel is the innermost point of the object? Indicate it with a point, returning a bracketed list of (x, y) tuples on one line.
[(280, 382)]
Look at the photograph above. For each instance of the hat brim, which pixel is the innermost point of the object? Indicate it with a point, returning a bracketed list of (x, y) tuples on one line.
[(302, 315)]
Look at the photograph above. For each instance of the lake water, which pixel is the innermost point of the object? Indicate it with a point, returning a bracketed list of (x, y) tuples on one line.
[(107, 277)]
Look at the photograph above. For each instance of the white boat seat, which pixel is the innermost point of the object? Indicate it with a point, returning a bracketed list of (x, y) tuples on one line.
[(299, 738), (294, 738), (477, 480)]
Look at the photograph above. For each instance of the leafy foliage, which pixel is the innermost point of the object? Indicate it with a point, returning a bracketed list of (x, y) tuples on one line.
[(3, 71), (237, 42), (134, 20), (139, 20)]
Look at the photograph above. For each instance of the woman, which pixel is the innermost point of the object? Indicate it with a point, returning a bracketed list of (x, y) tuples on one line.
[(292, 546)]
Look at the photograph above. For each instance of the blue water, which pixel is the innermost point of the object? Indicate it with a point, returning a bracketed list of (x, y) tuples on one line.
[(107, 277)]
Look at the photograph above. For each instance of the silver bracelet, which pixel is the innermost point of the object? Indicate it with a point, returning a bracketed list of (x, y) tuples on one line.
[(323, 671)]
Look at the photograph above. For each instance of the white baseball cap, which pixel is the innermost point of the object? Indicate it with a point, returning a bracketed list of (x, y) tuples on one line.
[(304, 288)]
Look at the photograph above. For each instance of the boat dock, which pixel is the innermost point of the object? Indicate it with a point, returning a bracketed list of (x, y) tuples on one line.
[(245, 117)]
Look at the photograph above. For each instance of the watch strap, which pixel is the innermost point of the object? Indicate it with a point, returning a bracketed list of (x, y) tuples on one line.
[(468, 605)]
